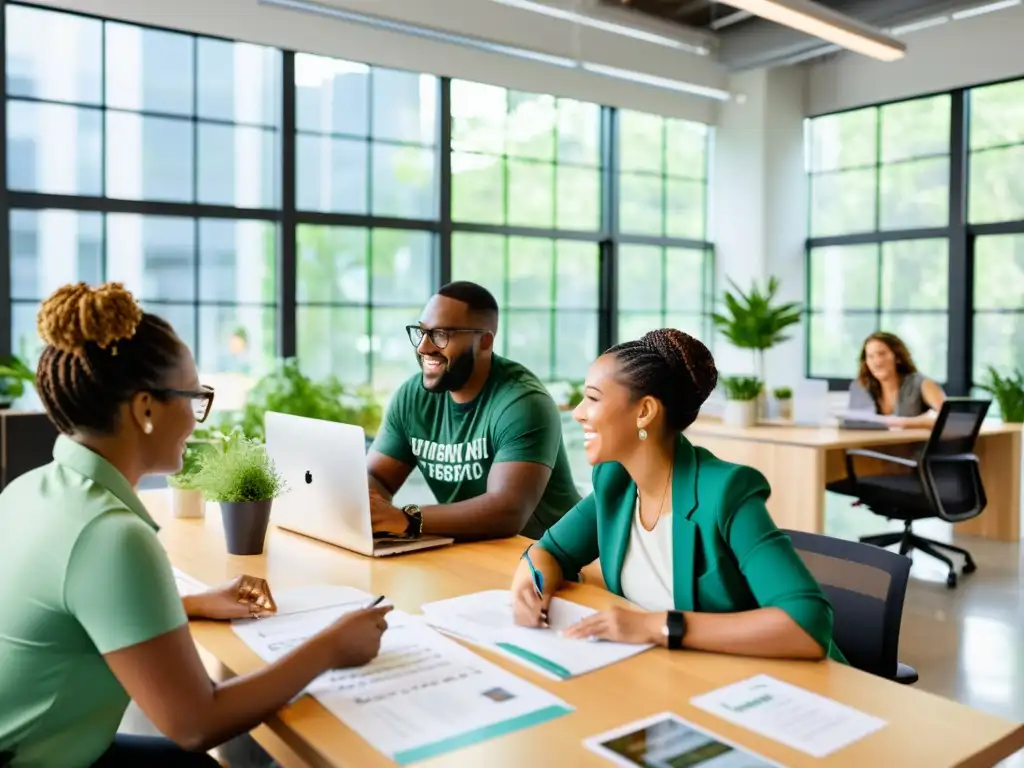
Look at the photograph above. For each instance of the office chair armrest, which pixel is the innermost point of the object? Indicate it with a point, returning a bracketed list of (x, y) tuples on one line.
[(911, 463), (953, 457)]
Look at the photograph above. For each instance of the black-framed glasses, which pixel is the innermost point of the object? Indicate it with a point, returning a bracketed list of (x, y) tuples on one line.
[(439, 337), (202, 399)]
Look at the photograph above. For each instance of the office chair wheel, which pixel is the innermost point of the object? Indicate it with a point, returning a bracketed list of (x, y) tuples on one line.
[(951, 581), (970, 567)]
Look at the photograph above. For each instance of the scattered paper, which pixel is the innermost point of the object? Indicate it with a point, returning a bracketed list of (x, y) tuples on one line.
[(790, 715), (188, 585), (485, 618)]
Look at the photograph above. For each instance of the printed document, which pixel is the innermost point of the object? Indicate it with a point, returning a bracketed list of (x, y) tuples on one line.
[(423, 696), (188, 585), (790, 715), (485, 618)]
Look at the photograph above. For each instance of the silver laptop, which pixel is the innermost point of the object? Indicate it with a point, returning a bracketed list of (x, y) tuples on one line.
[(328, 497), (810, 404)]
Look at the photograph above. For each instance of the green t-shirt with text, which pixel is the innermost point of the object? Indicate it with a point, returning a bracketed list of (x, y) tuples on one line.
[(454, 444)]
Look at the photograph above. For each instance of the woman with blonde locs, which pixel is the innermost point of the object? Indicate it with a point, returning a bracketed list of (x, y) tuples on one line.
[(91, 614)]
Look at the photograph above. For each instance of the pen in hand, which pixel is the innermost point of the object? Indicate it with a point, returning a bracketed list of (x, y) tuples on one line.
[(538, 585), (376, 602)]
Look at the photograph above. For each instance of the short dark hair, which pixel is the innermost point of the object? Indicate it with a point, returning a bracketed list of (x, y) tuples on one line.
[(673, 367), (480, 301), (101, 349)]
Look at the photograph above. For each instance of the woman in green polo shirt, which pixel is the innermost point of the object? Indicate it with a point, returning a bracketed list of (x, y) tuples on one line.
[(683, 535), (89, 611)]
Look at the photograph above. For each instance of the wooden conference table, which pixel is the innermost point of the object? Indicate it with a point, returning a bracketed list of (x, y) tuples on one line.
[(799, 461), (922, 730)]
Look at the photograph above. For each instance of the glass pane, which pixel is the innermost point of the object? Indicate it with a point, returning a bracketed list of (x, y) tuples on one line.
[(836, 340), (641, 142), (148, 69), (394, 358), (641, 209), (996, 185), (531, 189), (844, 277), (33, 37), (332, 264), (404, 182), (687, 322), (641, 278), (530, 267), (845, 140), (237, 339), (576, 281), (149, 158), (530, 126), (331, 174), (239, 82), (686, 148), (478, 188), (998, 340), (999, 274), (478, 117), (915, 128), (915, 274), (404, 107), (182, 318), (403, 268), (915, 194), (54, 149), (25, 341), (684, 203), (633, 325), (528, 335), (331, 95), (480, 259), (579, 132), (579, 198), (51, 248), (575, 344), (238, 166), (237, 261), (684, 280), (843, 203), (997, 115), (926, 336), (154, 256), (334, 341)]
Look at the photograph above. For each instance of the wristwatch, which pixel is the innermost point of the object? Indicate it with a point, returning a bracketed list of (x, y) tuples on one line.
[(415, 515), (675, 629)]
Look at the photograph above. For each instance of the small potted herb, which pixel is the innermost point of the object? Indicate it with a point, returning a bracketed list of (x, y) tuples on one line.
[(239, 475), (741, 393), (186, 496), (1008, 392), (784, 397)]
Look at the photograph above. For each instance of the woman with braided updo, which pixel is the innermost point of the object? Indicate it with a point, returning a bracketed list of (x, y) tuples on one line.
[(90, 614), (683, 535)]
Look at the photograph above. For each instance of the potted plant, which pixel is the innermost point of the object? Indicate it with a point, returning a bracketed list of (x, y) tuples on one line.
[(1008, 392), (187, 499), (741, 393), (754, 321), (14, 374), (239, 474), (573, 396), (784, 397)]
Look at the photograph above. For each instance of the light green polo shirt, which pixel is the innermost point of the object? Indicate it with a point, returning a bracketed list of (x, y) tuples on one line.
[(82, 574)]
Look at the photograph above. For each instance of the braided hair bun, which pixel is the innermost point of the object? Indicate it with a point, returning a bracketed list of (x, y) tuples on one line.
[(77, 315), (690, 362)]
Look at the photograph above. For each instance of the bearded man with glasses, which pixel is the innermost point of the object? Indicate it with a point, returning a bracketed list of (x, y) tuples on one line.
[(482, 429)]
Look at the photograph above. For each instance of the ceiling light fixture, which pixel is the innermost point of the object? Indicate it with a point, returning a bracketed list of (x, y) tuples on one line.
[(658, 82), (917, 26), (819, 21), (978, 10)]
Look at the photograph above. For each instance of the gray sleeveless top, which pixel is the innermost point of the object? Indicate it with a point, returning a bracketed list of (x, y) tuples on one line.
[(908, 402)]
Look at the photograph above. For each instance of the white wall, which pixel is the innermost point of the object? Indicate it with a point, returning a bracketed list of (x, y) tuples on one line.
[(250, 21), (956, 54)]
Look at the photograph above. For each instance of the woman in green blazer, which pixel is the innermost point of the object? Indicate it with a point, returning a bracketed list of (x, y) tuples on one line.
[(683, 535)]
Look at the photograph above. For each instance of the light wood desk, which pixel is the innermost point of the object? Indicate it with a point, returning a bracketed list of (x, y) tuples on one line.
[(922, 730), (799, 461)]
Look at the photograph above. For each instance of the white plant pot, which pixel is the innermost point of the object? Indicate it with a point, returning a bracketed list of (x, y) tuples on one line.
[(187, 503), (786, 408), (740, 413)]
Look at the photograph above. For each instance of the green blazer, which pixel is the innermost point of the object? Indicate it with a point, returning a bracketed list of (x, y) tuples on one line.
[(727, 554)]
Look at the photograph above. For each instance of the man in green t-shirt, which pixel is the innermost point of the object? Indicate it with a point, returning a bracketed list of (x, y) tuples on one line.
[(483, 430)]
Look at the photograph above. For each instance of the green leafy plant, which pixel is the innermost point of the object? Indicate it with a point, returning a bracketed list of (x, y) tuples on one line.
[(741, 387), (185, 478), (14, 374), (782, 393), (1009, 393), (237, 468), (575, 396), (754, 321)]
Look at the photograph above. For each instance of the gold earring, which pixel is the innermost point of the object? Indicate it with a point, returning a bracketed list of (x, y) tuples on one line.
[(642, 433), (148, 429)]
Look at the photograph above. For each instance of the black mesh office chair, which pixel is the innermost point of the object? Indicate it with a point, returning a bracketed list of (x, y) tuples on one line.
[(943, 482), (866, 586)]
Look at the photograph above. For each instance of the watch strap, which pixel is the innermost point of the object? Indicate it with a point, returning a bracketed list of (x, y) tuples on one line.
[(415, 515), (675, 629)]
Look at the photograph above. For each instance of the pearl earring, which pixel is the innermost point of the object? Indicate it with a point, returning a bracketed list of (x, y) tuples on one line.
[(642, 433), (148, 429)]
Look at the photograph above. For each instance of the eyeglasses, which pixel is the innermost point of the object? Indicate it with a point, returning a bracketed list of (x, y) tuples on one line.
[(202, 399), (439, 337)]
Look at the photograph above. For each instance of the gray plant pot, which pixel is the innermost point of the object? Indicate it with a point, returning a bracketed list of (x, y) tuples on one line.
[(245, 525)]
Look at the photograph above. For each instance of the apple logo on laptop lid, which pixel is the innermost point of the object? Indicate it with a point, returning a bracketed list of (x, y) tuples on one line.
[(309, 477)]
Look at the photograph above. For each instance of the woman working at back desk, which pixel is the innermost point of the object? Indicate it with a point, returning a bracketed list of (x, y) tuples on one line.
[(889, 384)]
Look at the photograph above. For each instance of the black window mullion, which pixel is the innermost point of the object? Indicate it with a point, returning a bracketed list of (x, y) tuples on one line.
[(959, 353), (196, 235), (6, 312), (287, 270), (444, 266), (608, 249)]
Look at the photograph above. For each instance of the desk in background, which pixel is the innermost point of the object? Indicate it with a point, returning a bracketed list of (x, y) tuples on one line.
[(922, 730), (799, 461)]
